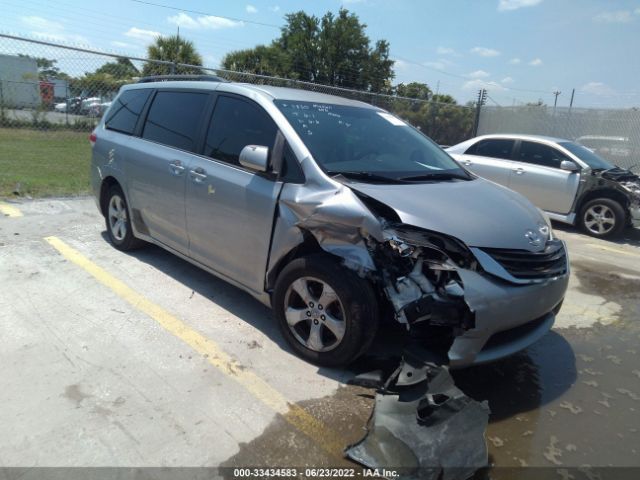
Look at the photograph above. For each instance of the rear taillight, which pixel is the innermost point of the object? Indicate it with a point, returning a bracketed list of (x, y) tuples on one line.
[(92, 138)]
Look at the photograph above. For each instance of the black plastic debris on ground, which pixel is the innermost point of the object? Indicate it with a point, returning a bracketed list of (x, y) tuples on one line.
[(422, 425)]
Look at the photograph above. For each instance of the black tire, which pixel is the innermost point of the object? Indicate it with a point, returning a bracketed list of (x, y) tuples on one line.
[(613, 211), (122, 240), (357, 301)]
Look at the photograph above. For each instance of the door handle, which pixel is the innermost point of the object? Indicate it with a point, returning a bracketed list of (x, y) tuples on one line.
[(176, 167), (519, 171), (198, 174), (468, 163)]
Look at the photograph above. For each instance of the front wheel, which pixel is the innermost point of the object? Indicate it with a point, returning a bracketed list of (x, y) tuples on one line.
[(326, 312), (602, 218)]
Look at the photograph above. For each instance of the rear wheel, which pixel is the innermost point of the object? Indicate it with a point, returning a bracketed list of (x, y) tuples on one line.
[(326, 312), (602, 218), (118, 221)]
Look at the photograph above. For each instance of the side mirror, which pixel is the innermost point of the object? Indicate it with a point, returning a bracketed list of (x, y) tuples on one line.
[(569, 166), (255, 157)]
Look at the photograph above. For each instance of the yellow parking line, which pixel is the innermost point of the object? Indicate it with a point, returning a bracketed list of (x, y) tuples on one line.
[(612, 249), (9, 210), (299, 418)]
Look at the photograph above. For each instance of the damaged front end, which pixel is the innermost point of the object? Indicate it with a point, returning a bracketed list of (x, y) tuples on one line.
[(419, 272), (435, 284), (631, 184)]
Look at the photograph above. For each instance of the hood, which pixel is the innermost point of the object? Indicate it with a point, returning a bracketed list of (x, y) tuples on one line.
[(618, 174), (478, 212)]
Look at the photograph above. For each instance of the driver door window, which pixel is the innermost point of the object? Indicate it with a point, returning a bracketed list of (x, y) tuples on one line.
[(540, 154), (235, 124)]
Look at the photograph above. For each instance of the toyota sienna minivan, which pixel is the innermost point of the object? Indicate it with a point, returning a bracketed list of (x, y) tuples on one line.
[(333, 212)]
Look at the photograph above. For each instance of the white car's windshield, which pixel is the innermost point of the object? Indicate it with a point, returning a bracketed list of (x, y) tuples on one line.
[(368, 144), (587, 156)]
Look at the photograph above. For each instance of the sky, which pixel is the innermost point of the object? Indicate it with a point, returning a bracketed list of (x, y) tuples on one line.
[(519, 50)]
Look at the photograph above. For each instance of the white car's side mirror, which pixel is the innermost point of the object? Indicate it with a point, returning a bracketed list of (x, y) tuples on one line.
[(569, 166)]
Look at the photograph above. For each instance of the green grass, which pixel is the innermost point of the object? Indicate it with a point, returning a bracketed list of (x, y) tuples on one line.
[(43, 164)]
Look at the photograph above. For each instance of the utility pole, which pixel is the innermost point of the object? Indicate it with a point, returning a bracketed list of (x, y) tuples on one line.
[(573, 92), (555, 101), (482, 99)]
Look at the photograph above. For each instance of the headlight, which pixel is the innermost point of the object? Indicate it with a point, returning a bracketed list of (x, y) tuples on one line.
[(545, 229)]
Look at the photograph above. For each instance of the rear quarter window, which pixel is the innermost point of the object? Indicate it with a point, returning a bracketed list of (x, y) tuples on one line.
[(126, 109)]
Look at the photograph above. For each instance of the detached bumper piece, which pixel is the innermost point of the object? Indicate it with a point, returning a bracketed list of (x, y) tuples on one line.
[(423, 426)]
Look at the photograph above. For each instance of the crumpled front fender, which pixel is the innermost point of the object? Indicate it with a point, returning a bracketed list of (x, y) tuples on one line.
[(333, 214)]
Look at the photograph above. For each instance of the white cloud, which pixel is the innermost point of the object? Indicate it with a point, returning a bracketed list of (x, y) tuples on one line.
[(439, 65), (507, 5), (275, 8), (478, 74), (183, 20), (616, 16), (536, 62), (51, 30), (485, 52), (141, 34), (506, 80), (119, 44), (515, 61), (205, 22), (251, 9), (597, 88), (400, 64), (477, 84), (445, 51), (42, 24)]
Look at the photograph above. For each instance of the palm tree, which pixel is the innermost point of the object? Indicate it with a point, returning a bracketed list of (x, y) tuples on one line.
[(172, 49)]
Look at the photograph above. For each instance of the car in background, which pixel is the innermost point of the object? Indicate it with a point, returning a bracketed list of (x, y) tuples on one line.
[(71, 105), (568, 181), (92, 106)]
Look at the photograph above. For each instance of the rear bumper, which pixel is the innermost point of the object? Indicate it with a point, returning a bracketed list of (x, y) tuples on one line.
[(508, 317)]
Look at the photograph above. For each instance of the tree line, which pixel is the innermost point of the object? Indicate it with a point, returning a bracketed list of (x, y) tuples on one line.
[(330, 50)]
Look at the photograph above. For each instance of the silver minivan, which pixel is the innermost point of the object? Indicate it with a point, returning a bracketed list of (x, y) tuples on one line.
[(333, 212)]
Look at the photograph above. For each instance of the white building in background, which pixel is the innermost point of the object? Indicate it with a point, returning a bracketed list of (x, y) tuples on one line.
[(19, 85)]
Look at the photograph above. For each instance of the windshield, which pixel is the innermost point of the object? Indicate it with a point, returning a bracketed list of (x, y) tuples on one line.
[(367, 144), (587, 156)]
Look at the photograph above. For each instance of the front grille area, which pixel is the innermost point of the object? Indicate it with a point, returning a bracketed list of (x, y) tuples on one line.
[(550, 262)]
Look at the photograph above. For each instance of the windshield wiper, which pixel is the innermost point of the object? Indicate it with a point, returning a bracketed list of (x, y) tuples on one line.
[(436, 176), (367, 176)]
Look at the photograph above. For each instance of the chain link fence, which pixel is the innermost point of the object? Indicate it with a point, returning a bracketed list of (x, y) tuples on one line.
[(53, 87), (612, 133)]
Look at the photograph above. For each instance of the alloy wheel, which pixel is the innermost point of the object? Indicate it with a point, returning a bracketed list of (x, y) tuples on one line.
[(599, 219), (314, 313), (117, 217)]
